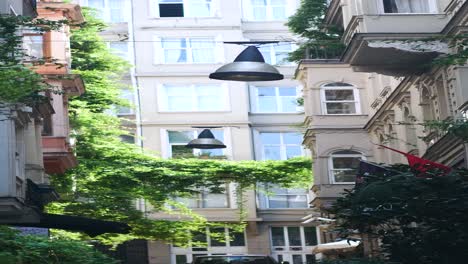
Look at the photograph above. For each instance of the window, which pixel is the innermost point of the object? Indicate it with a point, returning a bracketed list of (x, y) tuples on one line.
[(188, 50), (408, 6), (280, 145), (289, 236), (277, 54), (178, 139), (275, 197), (340, 99), (274, 100), (119, 48), (33, 45), (266, 10), (206, 199), (344, 166), (186, 8), (114, 11), (193, 98), (127, 96)]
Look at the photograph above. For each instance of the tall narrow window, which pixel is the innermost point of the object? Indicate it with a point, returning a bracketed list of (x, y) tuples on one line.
[(266, 10), (185, 8), (33, 45), (343, 166), (340, 99)]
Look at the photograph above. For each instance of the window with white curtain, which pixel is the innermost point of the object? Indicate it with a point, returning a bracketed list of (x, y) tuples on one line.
[(114, 11), (274, 99), (193, 98), (340, 99), (276, 197), (33, 45), (408, 6), (188, 50), (266, 10), (186, 8), (280, 145), (277, 54), (343, 166), (177, 140)]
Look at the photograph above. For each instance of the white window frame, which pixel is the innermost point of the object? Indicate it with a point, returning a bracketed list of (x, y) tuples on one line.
[(189, 50), (433, 9), (282, 145), (273, 51), (106, 11), (331, 170), (285, 250), (128, 95), (29, 46), (163, 102), (122, 54), (255, 99), (356, 101), (247, 10), (167, 146)]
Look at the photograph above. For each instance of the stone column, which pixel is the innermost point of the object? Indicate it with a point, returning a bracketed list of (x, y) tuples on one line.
[(7, 153)]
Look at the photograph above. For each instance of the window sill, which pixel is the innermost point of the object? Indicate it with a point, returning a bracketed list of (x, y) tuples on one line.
[(342, 115), (194, 112), (186, 18), (277, 113)]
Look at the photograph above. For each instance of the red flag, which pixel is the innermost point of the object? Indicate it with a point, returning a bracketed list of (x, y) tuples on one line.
[(419, 164)]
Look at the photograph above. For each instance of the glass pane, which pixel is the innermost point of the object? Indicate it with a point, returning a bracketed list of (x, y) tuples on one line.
[(212, 152), (259, 2), (288, 104), (215, 200), (297, 259), (292, 138), (310, 259), (310, 235), (218, 237), (272, 153), (208, 90), (181, 259), (203, 55), (210, 103), (266, 91), (293, 151), (190, 202), (339, 95), (289, 91), (202, 43), (180, 136), (277, 236), (278, 201), (171, 1), (294, 236), (180, 151), (297, 201), (259, 13), (341, 108), (266, 53), (180, 103), (33, 46), (278, 13), (344, 175), (237, 239), (174, 43), (267, 104), (277, 2), (346, 162), (270, 138), (199, 8), (174, 56), (96, 4)]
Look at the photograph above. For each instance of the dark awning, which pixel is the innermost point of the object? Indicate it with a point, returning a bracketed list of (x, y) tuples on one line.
[(92, 227)]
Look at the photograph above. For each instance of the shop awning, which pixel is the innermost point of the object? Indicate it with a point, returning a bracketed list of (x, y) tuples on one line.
[(92, 227), (340, 245)]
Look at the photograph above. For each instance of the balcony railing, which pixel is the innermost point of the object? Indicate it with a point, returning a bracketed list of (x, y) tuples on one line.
[(323, 53)]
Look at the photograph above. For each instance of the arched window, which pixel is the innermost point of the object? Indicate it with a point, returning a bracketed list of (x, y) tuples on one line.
[(343, 166), (340, 99)]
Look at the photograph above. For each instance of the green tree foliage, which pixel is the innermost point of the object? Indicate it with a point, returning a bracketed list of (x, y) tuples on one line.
[(112, 174), (320, 41), (419, 220), (16, 248)]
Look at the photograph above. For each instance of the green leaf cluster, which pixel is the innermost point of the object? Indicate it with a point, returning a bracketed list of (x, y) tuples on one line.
[(20, 249), (320, 41), (112, 174), (418, 219)]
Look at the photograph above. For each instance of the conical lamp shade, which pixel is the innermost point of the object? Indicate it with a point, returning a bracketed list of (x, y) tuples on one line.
[(249, 66), (205, 140)]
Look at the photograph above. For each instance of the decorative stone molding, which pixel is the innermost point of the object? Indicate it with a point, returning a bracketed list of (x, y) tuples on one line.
[(411, 46)]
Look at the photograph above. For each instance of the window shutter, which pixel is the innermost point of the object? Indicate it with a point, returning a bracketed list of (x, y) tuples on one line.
[(247, 10), (158, 53), (162, 97), (219, 49), (154, 8), (216, 8)]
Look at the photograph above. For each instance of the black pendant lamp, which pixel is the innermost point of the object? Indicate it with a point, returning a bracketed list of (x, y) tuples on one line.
[(205, 140), (249, 66)]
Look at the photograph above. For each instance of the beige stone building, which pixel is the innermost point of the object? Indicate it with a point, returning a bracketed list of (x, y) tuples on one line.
[(382, 88), (174, 45)]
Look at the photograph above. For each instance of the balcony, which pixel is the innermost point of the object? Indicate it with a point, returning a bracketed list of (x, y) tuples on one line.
[(58, 155), (392, 43)]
